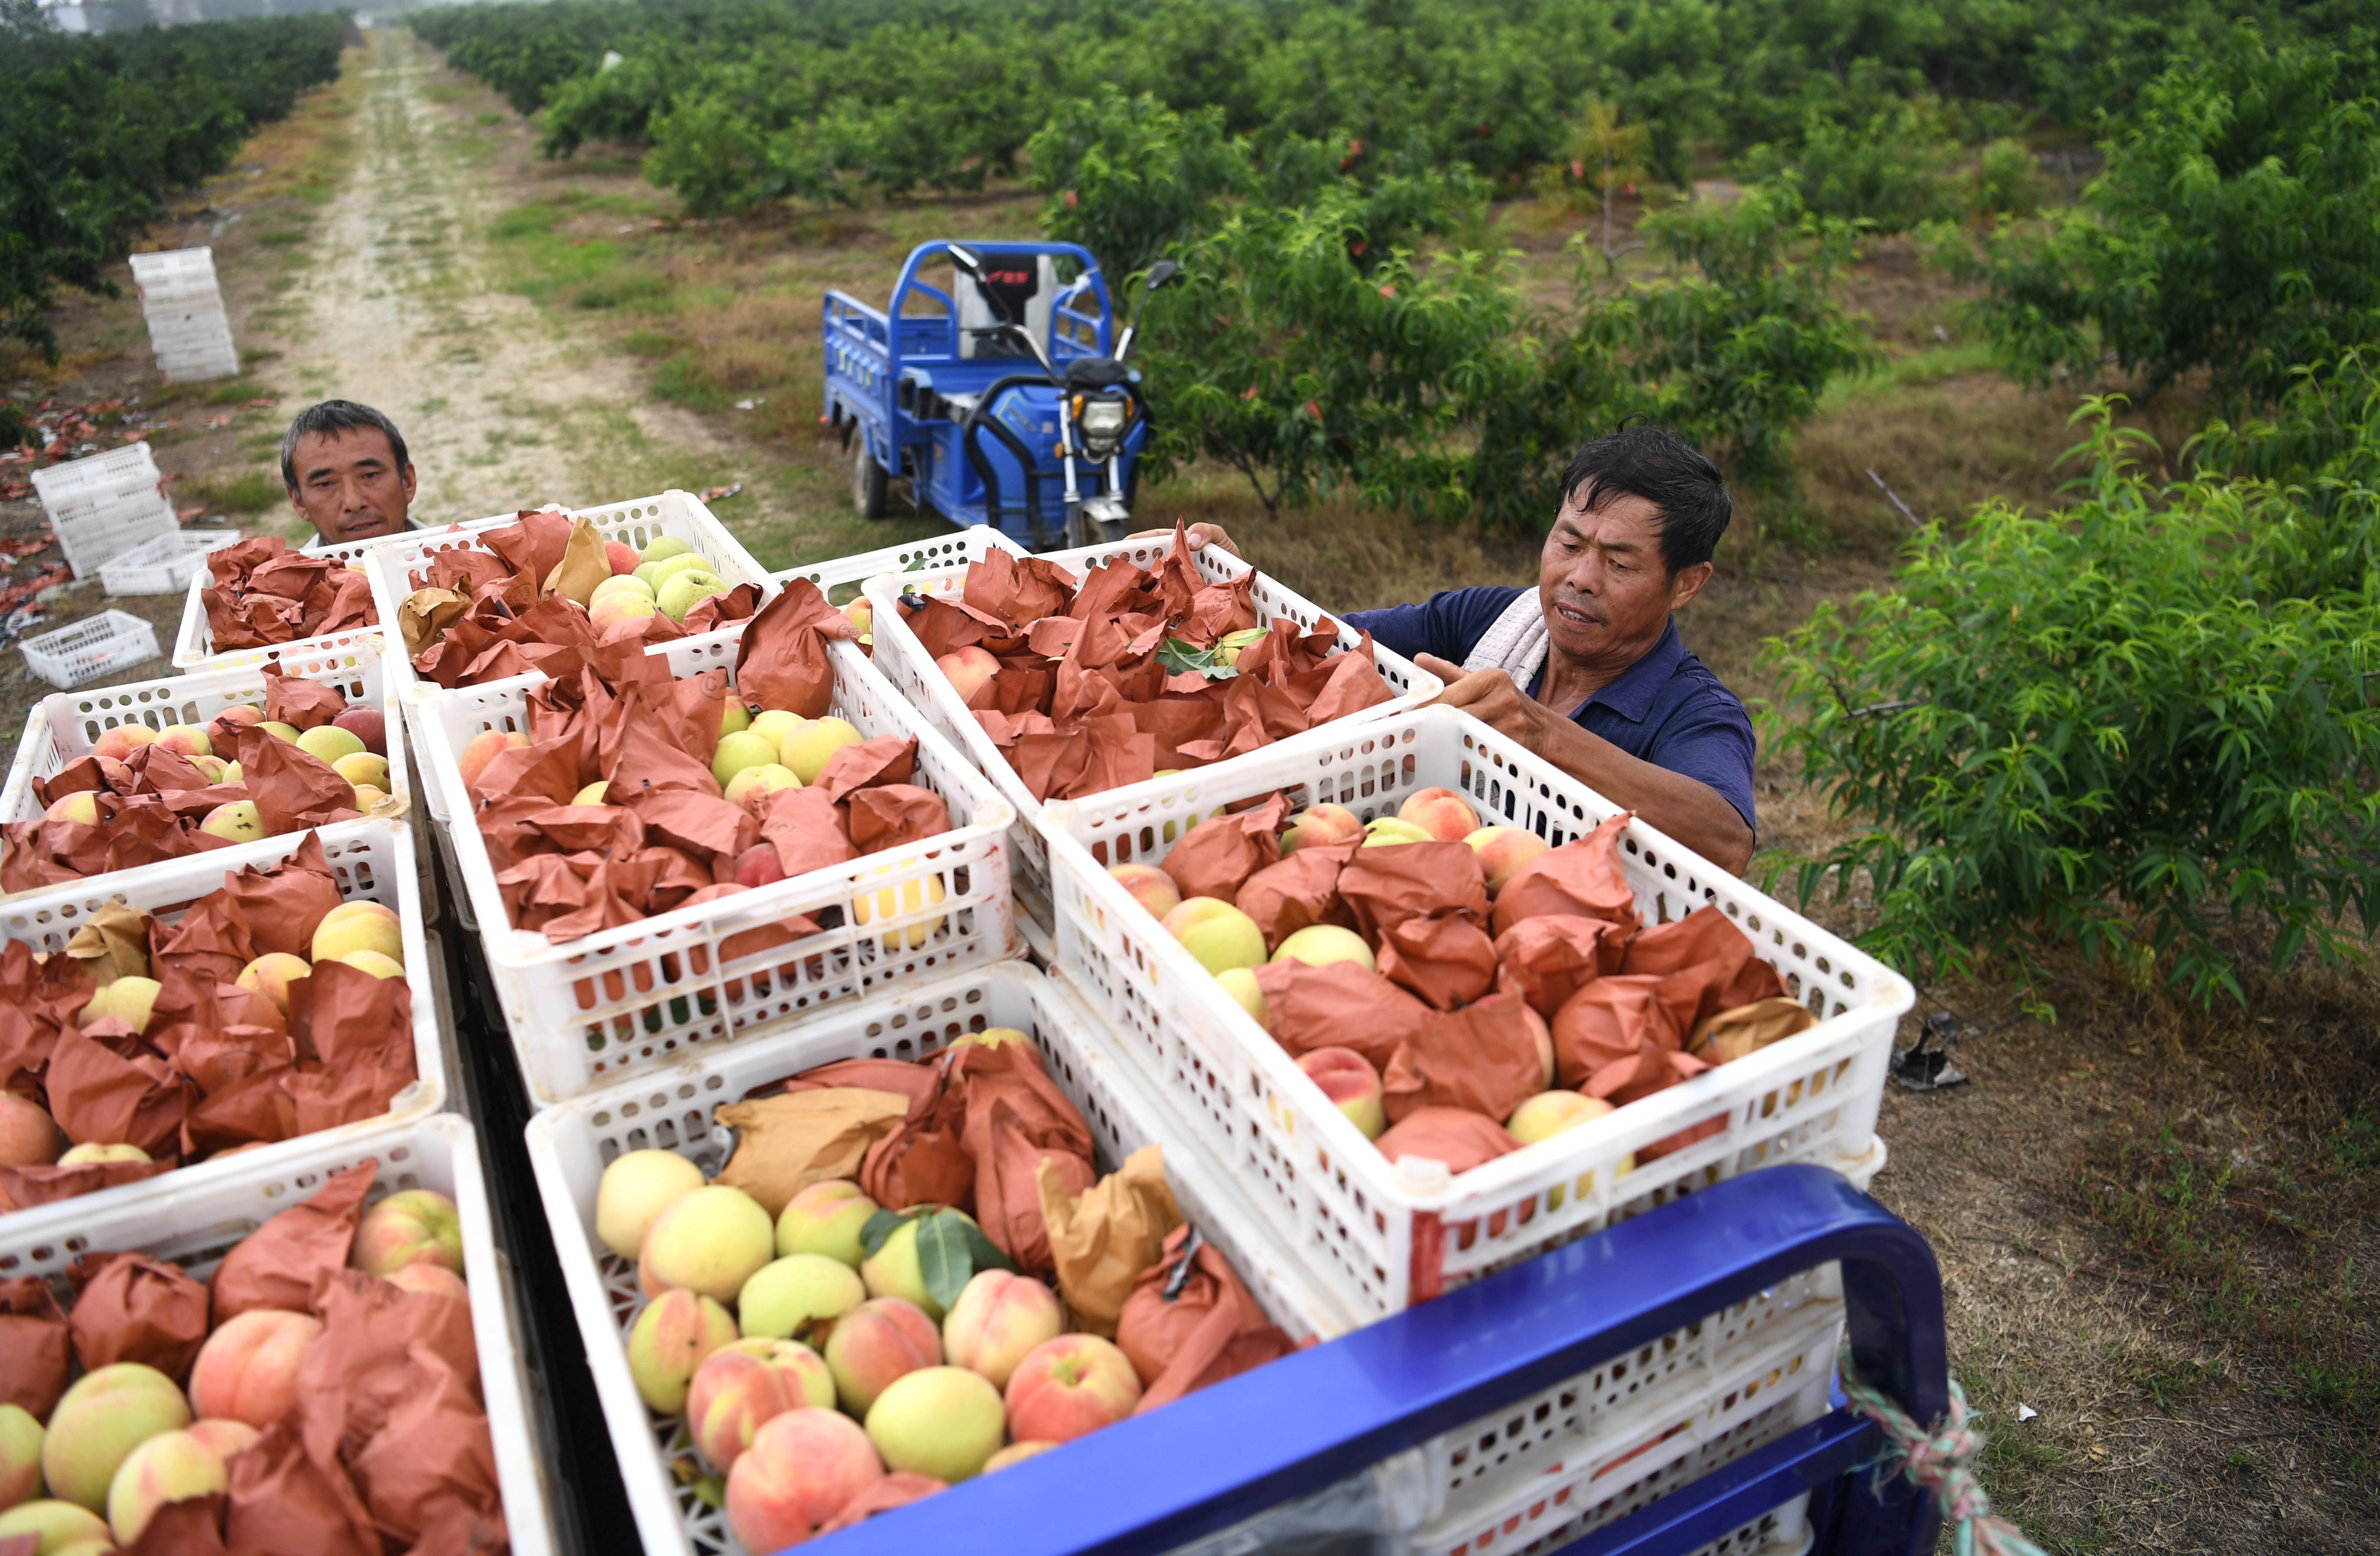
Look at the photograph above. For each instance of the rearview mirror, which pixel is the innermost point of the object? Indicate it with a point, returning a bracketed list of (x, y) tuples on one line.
[(1164, 272)]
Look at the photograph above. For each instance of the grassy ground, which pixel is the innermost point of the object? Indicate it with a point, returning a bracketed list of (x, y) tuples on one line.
[(2155, 1224)]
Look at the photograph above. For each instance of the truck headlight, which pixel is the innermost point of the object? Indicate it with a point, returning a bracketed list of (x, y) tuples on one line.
[(1103, 423)]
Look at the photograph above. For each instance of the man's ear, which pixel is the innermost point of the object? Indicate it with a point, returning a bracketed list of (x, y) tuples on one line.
[(1687, 583), (410, 481)]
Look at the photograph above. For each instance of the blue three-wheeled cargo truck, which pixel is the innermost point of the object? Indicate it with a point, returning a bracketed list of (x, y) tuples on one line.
[(1002, 398)]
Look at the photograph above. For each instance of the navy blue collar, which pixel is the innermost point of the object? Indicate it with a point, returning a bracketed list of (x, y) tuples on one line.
[(1632, 693)]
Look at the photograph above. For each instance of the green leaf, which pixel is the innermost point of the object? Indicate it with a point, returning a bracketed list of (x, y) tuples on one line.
[(945, 1259), (985, 1253), (1180, 658)]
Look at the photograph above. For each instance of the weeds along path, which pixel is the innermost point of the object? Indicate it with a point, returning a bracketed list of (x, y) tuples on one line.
[(399, 306)]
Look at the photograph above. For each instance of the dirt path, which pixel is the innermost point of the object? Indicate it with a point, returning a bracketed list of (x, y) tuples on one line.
[(400, 306)]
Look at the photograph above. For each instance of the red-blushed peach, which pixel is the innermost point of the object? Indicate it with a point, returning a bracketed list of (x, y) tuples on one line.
[(825, 1219), (1549, 1112), (810, 744), (81, 808), (1350, 1083), (634, 1191), (270, 975), (224, 1439), (188, 740), (411, 1227), (1068, 1387), (1015, 1454), (799, 1297), (56, 1525), (99, 1421), (1149, 886), (123, 740), (1216, 934), (943, 1421), (620, 557), (1503, 850), (169, 1468), (359, 926), (101, 1150), (129, 999), (1543, 1035), (1320, 823), (485, 747), (967, 669), (999, 1319), (367, 724), (1441, 812), (28, 1137), (760, 865), (1241, 984), (884, 1339), (20, 1455), (1319, 945), (741, 1388), (710, 1241), (670, 1339), (430, 1280), (800, 1469), (247, 1368), (1383, 832)]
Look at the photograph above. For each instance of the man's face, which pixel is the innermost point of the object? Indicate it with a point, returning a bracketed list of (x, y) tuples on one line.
[(1606, 592), (350, 486)]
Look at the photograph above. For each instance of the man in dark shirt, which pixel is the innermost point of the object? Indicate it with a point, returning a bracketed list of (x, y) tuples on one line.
[(1586, 670)]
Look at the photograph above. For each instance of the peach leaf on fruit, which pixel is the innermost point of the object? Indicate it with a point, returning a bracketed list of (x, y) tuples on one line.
[(926, 1254)]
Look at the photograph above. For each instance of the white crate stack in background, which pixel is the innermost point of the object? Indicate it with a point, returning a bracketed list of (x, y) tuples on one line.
[(187, 328), (103, 504)]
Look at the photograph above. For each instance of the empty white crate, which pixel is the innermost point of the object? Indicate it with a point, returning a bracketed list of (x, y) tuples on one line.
[(172, 274), (1384, 1237), (593, 1011), (103, 504), (166, 565), (900, 656), (192, 1223), (372, 861), (92, 648)]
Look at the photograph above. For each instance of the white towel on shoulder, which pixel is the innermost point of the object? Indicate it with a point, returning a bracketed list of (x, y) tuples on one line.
[(1515, 641)]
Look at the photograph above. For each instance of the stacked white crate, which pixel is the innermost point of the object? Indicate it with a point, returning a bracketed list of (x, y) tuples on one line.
[(187, 328), (103, 504)]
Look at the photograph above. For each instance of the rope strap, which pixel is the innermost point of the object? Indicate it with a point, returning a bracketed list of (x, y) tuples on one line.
[(1940, 1461)]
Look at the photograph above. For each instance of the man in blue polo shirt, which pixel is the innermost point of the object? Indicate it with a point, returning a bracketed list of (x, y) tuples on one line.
[(1586, 669)]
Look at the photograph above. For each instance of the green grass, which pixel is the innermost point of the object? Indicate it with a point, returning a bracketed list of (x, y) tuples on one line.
[(623, 288), (252, 493), (238, 391), (282, 237), (651, 343), (1907, 373)]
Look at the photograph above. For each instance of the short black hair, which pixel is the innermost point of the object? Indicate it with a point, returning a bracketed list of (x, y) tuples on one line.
[(1656, 464), (329, 420)]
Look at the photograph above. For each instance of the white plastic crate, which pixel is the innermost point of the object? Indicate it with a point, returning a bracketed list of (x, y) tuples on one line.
[(398, 566), (1383, 1237), (593, 1011), (901, 657), (954, 550), (103, 504), (194, 645), (166, 565), (92, 648), (63, 728), (372, 861), (569, 1146), (191, 1224), (1701, 1378), (197, 370), (172, 273)]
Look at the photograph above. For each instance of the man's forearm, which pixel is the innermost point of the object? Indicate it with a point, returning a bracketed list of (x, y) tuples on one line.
[(1690, 811)]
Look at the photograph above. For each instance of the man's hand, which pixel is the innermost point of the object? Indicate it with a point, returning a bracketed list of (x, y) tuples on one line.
[(1490, 696), (1201, 536)]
